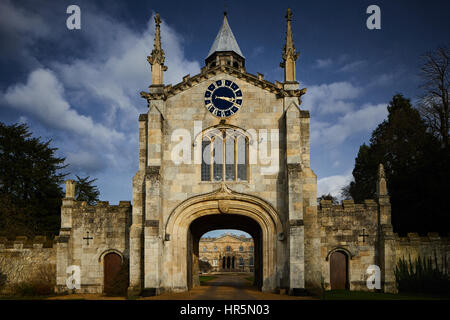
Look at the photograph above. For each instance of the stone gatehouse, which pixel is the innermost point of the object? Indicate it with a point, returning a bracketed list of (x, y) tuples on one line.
[(226, 149)]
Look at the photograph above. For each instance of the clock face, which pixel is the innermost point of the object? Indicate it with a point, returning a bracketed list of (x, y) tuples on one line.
[(223, 98)]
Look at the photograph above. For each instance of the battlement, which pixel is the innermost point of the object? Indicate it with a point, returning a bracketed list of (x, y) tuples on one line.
[(346, 207), (23, 242), (413, 238), (100, 204)]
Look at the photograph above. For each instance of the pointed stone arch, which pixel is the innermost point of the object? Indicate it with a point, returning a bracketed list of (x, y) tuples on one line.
[(222, 202)]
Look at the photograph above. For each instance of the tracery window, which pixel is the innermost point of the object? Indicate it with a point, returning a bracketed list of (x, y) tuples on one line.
[(224, 155)]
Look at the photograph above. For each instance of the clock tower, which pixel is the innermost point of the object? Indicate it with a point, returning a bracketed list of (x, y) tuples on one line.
[(241, 145)]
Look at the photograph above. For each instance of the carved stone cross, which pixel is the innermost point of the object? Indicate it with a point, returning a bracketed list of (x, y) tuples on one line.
[(364, 235), (87, 238)]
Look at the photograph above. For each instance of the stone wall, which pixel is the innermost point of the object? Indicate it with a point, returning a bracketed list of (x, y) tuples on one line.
[(431, 246), (355, 230), (107, 228), (26, 260), (341, 227)]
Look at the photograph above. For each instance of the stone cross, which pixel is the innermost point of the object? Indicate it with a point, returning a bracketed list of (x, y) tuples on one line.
[(87, 238), (364, 235)]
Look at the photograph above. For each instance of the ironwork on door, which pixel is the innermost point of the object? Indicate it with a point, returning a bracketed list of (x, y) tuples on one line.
[(338, 271)]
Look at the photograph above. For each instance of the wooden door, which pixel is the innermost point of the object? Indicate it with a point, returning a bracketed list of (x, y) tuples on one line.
[(111, 265), (338, 271)]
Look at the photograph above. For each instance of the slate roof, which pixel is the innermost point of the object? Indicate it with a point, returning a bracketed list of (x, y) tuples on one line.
[(225, 40)]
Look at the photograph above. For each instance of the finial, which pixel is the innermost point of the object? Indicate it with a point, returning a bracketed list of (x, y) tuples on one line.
[(157, 19), (381, 173), (290, 55), (381, 183), (157, 57), (289, 14)]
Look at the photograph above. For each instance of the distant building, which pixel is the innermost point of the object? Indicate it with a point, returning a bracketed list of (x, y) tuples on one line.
[(228, 253)]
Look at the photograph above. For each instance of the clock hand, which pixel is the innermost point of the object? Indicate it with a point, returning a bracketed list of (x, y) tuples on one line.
[(226, 99)]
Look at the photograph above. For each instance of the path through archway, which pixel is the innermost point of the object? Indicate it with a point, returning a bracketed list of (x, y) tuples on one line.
[(223, 221)]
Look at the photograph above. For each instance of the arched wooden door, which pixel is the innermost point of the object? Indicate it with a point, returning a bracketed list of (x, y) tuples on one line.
[(338, 271), (111, 265)]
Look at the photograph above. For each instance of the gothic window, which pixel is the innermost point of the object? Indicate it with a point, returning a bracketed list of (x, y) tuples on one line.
[(241, 248), (250, 261), (251, 248), (214, 263), (224, 155), (228, 248), (241, 261)]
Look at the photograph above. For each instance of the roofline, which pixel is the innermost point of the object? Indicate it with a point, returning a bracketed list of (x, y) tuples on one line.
[(206, 73)]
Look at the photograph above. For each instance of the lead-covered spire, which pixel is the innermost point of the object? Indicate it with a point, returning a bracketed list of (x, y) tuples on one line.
[(225, 40), (290, 55), (157, 57)]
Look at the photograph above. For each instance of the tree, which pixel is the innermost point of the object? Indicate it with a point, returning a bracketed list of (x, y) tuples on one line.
[(434, 104), (328, 196), (417, 170), (85, 191), (30, 183)]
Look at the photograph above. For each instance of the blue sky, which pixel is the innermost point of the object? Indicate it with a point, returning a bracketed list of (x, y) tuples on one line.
[(80, 88)]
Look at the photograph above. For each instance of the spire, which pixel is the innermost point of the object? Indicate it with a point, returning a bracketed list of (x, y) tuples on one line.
[(290, 55), (156, 59), (225, 40)]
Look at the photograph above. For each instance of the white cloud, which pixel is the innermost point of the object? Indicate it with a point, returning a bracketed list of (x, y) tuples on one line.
[(362, 120), (117, 76), (353, 66), (91, 102), (333, 184), (331, 98), (323, 63), (43, 97), (83, 161), (16, 20)]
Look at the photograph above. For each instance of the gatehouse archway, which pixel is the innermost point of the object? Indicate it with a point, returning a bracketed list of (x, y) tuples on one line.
[(207, 223), (223, 208)]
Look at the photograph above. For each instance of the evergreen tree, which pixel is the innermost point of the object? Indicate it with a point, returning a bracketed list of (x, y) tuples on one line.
[(416, 167), (85, 191), (328, 196), (30, 183)]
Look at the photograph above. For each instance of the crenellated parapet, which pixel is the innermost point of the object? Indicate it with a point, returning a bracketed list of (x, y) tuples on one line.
[(346, 207), (23, 242), (431, 246), (25, 259)]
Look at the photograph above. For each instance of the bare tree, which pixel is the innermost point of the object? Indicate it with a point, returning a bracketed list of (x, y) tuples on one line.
[(434, 103)]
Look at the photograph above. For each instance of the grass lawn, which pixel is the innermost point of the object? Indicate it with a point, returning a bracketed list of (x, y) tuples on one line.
[(362, 295), (204, 279)]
